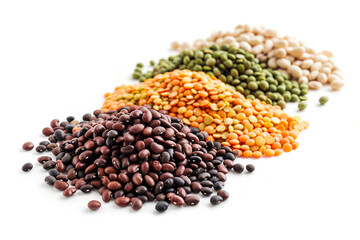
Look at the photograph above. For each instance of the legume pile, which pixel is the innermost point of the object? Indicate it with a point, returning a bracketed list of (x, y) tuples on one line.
[(178, 131), (251, 127), (135, 155), (236, 67), (290, 56)]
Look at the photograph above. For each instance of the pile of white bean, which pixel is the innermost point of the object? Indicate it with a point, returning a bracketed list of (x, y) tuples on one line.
[(285, 54)]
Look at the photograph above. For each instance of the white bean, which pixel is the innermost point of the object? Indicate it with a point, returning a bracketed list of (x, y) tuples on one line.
[(337, 84), (327, 53), (303, 79), (219, 41), (329, 65), (258, 49), (283, 63), (290, 58), (280, 53), (333, 77), (235, 44), (295, 71), (245, 45), (321, 58), (272, 63), (243, 37), (175, 45), (322, 77), (282, 71), (270, 33), (268, 46), (337, 73), (256, 40), (229, 39), (315, 85), (313, 75), (297, 63), (306, 72), (316, 66), (326, 70), (307, 63), (293, 43), (281, 43), (297, 52)]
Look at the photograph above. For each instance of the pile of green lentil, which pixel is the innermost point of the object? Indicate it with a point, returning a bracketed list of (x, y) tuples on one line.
[(236, 67)]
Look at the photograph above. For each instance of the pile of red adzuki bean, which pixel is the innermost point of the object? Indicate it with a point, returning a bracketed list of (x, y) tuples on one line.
[(135, 155)]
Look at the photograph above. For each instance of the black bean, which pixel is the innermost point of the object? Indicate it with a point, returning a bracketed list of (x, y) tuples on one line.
[(250, 168), (40, 148), (207, 183), (27, 167), (192, 200), (169, 182), (216, 199), (86, 188), (59, 134), (50, 180), (206, 191), (161, 206), (70, 118), (229, 155), (179, 182), (49, 165), (218, 185), (54, 172), (239, 168)]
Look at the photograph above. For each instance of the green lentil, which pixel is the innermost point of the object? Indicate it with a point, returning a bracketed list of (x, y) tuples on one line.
[(233, 66), (323, 100)]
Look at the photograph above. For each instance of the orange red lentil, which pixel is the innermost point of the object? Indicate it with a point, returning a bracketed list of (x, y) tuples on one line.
[(252, 127)]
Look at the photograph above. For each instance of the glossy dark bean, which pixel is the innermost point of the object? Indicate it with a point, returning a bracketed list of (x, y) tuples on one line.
[(216, 199), (206, 191), (137, 128), (47, 131), (50, 180), (192, 200), (218, 185), (28, 146), (196, 187), (156, 148), (94, 205), (54, 172), (86, 188), (239, 168), (119, 193), (49, 165), (250, 168), (157, 131), (114, 185), (224, 194), (161, 206), (27, 167), (206, 183), (40, 148), (106, 195)]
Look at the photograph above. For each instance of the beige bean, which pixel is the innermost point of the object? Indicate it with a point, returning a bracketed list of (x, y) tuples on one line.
[(315, 85), (306, 72), (297, 51), (245, 45), (219, 41), (272, 63), (268, 46), (322, 77), (327, 53), (175, 45), (297, 63), (310, 51), (295, 71), (306, 56), (321, 58), (307, 63), (247, 28), (313, 75), (258, 49), (316, 66), (329, 65), (337, 73), (333, 77), (243, 37), (261, 57), (270, 33), (280, 53), (281, 43), (337, 84), (257, 29), (256, 40), (283, 63), (326, 70), (185, 45), (293, 43), (303, 79), (290, 58), (235, 44), (229, 39)]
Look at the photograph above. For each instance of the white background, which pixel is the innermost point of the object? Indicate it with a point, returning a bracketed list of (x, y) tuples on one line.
[(58, 58)]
